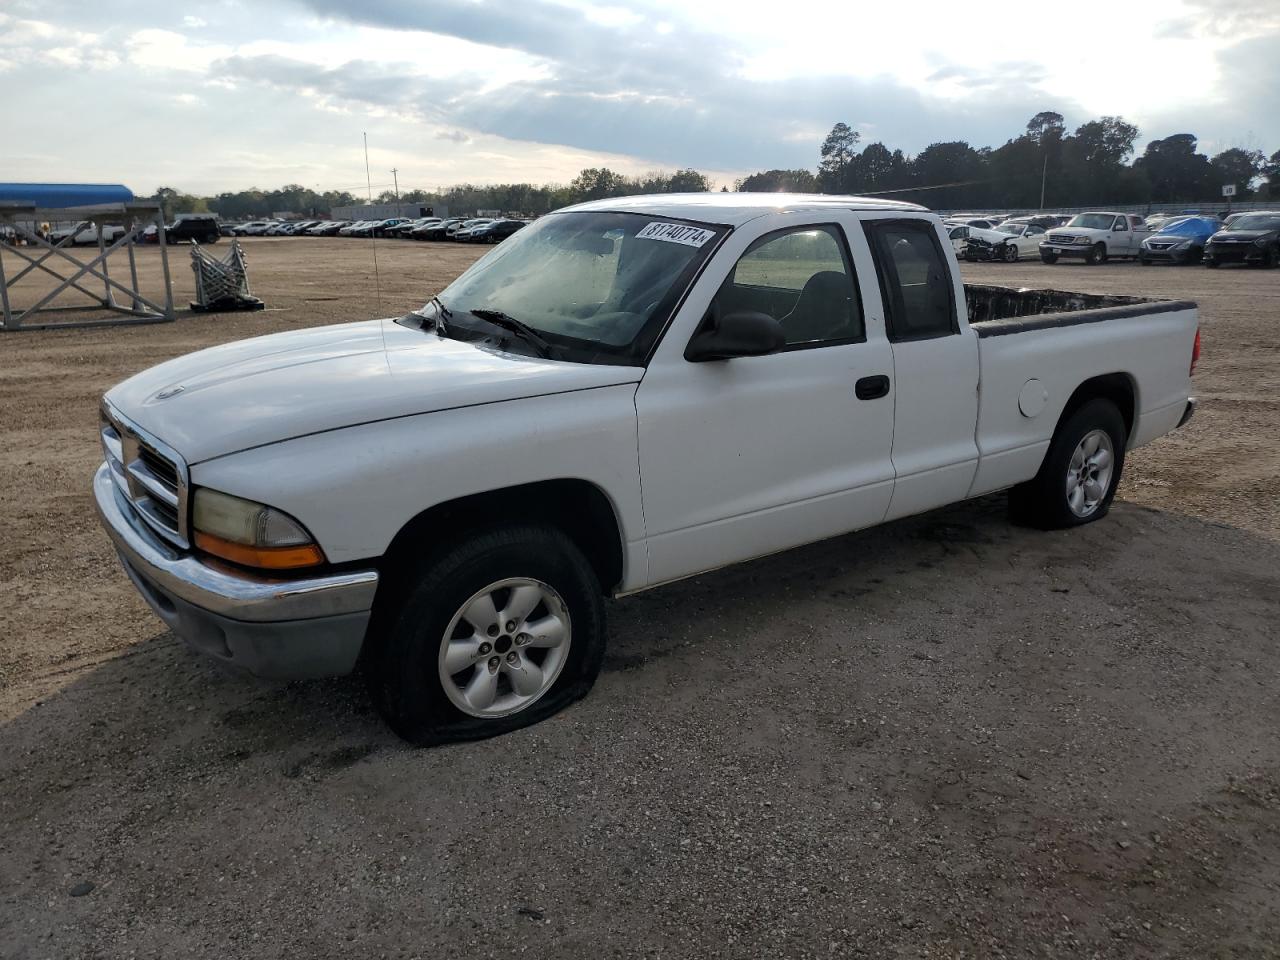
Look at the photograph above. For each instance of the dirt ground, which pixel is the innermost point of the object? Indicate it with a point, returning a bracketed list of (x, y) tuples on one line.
[(946, 737)]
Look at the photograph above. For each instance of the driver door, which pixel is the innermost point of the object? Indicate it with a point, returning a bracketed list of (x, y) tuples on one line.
[(751, 455)]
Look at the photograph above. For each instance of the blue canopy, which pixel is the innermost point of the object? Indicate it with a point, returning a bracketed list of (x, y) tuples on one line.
[(65, 194)]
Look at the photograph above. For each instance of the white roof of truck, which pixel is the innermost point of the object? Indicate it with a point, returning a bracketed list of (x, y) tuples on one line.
[(735, 209)]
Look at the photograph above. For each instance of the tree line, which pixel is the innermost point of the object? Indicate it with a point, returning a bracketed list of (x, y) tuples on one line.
[(1043, 166), (595, 183)]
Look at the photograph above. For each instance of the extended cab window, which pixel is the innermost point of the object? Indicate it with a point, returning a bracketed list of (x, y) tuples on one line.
[(1121, 224), (801, 278), (915, 283)]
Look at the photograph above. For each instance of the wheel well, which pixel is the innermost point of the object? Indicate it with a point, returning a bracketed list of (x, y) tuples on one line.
[(1116, 387), (577, 507)]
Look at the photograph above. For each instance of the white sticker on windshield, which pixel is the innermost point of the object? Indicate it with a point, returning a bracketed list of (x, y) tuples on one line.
[(676, 233)]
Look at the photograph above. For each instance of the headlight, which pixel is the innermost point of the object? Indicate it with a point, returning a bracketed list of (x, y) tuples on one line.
[(251, 534), (1261, 242), (1083, 240)]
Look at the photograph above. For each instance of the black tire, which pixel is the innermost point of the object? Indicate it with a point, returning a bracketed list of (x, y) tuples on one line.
[(1097, 254), (1271, 259), (409, 624), (1212, 264), (1195, 255), (1010, 253), (1042, 501), (1145, 261), (1048, 257)]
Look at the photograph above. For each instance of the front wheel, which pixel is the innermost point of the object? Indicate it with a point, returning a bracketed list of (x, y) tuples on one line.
[(1080, 474), (1211, 263), (1145, 261), (1272, 258), (1010, 253), (1097, 254), (1048, 257), (496, 633)]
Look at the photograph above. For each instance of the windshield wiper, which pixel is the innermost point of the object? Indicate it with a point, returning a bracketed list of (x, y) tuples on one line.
[(518, 327), (442, 314)]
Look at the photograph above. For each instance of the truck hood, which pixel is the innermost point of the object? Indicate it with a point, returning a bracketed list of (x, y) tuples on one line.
[(267, 389)]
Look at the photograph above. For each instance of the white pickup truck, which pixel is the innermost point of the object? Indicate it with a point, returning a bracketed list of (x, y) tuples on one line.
[(1096, 238), (624, 393)]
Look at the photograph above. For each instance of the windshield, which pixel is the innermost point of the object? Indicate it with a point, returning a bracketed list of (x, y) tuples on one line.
[(1092, 221), (1257, 222), (1014, 229), (597, 286)]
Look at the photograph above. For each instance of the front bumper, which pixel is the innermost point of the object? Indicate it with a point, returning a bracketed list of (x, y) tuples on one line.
[(1235, 253), (1068, 249), (1167, 255), (286, 629)]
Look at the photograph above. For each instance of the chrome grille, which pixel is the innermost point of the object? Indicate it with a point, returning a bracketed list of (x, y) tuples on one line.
[(1161, 244), (1061, 238), (150, 476)]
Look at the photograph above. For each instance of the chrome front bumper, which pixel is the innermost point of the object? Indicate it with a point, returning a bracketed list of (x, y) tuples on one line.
[(309, 627)]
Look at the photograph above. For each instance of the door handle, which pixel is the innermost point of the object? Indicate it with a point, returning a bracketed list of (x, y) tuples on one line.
[(871, 388)]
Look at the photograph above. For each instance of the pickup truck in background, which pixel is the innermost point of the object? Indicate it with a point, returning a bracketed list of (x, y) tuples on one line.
[(1096, 238), (625, 393)]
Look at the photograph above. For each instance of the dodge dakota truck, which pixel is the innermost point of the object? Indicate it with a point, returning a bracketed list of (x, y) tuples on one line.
[(624, 393)]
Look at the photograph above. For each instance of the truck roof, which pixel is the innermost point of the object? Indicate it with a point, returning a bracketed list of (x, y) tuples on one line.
[(735, 209)]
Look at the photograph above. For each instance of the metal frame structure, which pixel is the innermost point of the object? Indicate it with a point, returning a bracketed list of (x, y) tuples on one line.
[(134, 217)]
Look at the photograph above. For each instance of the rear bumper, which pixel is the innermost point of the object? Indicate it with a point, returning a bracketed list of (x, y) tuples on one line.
[(1189, 412), (288, 629)]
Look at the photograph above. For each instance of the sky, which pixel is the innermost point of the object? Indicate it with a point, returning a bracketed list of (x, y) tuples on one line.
[(230, 94)]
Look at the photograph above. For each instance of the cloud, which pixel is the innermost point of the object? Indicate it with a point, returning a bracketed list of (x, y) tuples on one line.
[(167, 50)]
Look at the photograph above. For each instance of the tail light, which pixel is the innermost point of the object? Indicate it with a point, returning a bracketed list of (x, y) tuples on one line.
[(1195, 354)]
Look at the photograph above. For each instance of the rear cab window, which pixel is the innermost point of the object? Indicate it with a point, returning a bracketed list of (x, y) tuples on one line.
[(915, 282)]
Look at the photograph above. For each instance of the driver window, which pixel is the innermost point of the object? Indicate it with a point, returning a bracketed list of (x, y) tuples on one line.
[(1034, 231), (801, 278)]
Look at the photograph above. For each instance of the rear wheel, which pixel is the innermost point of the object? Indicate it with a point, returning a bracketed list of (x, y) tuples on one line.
[(1078, 479), (494, 634)]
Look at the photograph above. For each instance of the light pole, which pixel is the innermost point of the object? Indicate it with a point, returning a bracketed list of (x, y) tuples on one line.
[(395, 176)]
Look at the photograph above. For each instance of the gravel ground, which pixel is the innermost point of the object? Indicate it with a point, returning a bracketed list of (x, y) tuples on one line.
[(946, 737)]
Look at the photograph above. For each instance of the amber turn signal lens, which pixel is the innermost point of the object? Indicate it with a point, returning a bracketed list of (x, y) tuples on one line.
[(265, 558)]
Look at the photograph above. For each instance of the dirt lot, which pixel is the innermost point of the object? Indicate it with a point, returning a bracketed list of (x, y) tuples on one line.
[(947, 737)]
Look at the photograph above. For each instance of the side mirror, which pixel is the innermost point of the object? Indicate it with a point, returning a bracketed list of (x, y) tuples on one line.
[(745, 334)]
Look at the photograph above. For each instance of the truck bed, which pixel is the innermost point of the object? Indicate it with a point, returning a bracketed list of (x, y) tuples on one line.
[(997, 311)]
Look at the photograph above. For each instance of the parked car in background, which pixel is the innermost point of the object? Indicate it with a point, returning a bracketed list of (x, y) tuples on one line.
[(381, 228), (1253, 238), (466, 232), (712, 409), (982, 223), (452, 232), (1180, 240), (495, 231), (353, 226), (227, 229), (959, 237), (327, 228), (1009, 241), (201, 227), (1095, 237), (402, 229), (438, 231), (86, 235), (418, 231), (299, 227), (254, 228)]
